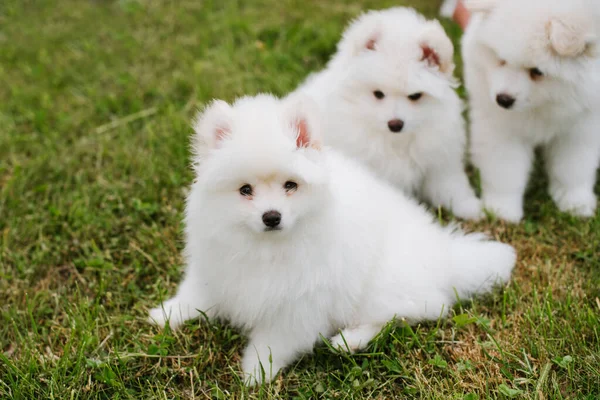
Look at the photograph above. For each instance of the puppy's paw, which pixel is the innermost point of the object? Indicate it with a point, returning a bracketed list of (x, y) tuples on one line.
[(169, 312), (254, 373), (581, 203), (469, 209), (341, 343), (356, 339), (507, 209), (158, 316)]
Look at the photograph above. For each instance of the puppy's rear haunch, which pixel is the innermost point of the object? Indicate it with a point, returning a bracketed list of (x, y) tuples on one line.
[(289, 240), (532, 69)]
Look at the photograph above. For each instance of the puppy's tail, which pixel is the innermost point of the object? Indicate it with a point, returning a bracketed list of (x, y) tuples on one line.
[(479, 264)]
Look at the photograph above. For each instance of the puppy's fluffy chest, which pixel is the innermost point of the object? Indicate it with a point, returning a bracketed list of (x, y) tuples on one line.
[(541, 126), (394, 162), (274, 281), (402, 160)]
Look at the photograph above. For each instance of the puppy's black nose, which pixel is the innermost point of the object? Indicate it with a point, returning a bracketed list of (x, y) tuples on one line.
[(271, 218), (396, 125), (505, 101)]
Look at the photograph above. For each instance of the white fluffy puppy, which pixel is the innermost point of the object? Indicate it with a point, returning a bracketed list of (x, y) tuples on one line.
[(389, 101), (532, 69), (288, 240)]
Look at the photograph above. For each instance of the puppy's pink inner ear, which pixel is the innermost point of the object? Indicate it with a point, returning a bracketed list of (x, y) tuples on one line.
[(221, 132), (371, 43), (431, 56), (303, 138)]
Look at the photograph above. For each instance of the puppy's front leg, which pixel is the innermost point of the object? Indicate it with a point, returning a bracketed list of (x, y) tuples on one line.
[(447, 185), (504, 165), (187, 304), (572, 160), (271, 349)]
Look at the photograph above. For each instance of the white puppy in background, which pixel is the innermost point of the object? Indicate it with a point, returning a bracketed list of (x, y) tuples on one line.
[(288, 240), (532, 70), (388, 100)]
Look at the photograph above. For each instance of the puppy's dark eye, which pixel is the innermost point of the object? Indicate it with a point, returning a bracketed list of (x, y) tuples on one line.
[(290, 186), (535, 73), (415, 96), (502, 63), (246, 190), (378, 94)]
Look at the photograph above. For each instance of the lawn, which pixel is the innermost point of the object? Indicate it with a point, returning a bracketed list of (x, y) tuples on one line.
[(96, 99)]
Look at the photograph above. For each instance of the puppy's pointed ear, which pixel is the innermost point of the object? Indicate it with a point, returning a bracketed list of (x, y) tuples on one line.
[(437, 49), (481, 6), (361, 35), (212, 126), (303, 119), (570, 36)]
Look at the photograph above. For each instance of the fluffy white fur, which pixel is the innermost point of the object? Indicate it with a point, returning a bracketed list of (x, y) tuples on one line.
[(351, 253), (559, 110), (448, 8), (399, 53)]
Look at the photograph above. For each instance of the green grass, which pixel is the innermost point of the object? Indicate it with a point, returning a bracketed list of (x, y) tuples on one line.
[(96, 98)]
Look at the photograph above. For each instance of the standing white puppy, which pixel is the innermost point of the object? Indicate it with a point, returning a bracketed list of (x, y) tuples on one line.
[(532, 69), (388, 99), (289, 240)]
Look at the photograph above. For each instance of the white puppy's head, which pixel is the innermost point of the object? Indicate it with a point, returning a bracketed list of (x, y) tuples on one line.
[(258, 164), (536, 51), (397, 70)]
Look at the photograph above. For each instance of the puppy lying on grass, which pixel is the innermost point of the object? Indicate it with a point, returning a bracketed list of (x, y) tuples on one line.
[(289, 240)]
